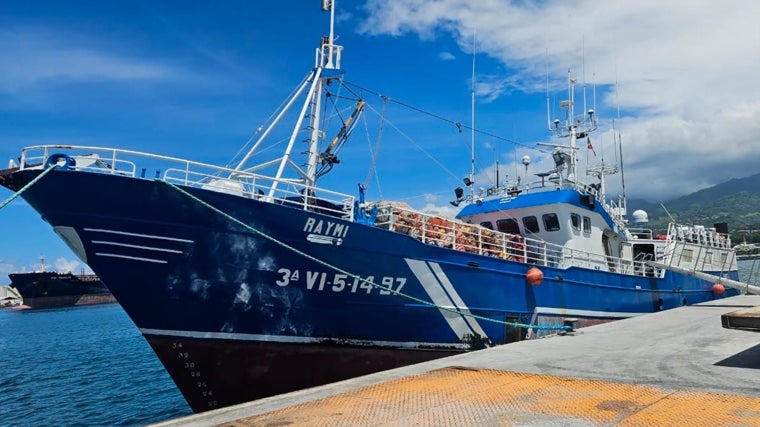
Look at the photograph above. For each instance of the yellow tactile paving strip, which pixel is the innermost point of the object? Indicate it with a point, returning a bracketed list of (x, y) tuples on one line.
[(465, 397)]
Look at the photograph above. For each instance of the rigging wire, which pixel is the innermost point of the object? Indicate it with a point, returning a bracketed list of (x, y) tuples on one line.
[(332, 98), (460, 126), (368, 280), (414, 143), (376, 150), (279, 108)]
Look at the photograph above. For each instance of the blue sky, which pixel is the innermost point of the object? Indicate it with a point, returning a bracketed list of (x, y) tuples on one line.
[(196, 79)]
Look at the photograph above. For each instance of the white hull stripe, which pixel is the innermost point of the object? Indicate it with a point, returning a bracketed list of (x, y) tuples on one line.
[(149, 236), (147, 248), (133, 258), (586, 313), (294, 339), (456, 299), (442, 293)]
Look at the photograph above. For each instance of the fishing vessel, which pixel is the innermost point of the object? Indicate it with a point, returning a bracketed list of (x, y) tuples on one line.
[(262, 280), (52, 289)]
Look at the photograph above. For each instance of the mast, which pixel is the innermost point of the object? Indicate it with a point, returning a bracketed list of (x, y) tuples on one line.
[(327, 57), (622, 173), (574, 128), (620, 144), (313, 158), (314, 89), (332, 51)]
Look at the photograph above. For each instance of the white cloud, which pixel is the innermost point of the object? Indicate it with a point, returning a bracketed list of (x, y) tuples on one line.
[(687, 76), (446, 56), (65, 265), (446, 211), (40, 56)]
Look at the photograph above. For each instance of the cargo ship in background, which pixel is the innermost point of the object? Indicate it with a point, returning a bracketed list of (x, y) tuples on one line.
[(52, 289)]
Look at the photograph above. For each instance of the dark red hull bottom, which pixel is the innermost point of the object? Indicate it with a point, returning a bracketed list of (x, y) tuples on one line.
[(217, 373), (68, 300)]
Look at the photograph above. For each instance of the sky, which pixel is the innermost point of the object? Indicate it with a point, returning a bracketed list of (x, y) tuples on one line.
[(196, 79)]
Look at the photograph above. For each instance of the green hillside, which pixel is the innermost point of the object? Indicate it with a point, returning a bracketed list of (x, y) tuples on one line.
[(736, 202)]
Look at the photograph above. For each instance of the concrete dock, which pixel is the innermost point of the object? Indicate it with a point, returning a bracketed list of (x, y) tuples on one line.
[(680, 367)]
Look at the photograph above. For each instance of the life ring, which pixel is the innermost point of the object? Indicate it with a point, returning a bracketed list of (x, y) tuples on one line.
[(63, 161), (516, 248)]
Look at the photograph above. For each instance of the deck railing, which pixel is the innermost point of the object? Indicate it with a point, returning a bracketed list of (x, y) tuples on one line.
[(429, 229), (699, 235), (193, 174), (472, 238)]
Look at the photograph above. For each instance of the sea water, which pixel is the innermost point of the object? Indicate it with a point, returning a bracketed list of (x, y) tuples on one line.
[(85, 366), (89, 366)]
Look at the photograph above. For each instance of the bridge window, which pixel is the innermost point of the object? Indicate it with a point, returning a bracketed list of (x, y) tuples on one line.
[(487, 224), (587, 225), (531, 224), (575, 219), (508, 225), (551, 222)]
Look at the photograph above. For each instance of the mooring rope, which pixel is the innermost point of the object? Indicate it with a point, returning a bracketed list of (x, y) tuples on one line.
[(354, 276), (24, 188)]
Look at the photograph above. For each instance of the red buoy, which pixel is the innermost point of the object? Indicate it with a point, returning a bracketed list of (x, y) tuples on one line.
[(534, 276), (718, 289)]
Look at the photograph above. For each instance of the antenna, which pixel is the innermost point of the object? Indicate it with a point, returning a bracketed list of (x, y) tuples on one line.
[(496, 158), (593, 95), (327, 56), (573, 128), (472, 120), (548, 105), (328, 6), (620, 138), (583, 69)]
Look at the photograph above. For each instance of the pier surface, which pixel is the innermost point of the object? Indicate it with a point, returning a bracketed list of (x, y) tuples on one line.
[(678, 367)]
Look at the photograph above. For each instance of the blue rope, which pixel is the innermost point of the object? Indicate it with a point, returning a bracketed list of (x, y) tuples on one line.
[(363, 280)]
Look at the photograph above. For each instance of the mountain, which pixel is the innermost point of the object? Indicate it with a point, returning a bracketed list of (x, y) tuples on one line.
[(736, 202)]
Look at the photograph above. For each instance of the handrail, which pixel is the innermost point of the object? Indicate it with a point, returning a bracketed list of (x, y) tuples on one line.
[(429, 229), (194, 174), (472, 238), (699, 235)]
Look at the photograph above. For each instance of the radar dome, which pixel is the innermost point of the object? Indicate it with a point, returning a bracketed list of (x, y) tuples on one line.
[(640, 216)]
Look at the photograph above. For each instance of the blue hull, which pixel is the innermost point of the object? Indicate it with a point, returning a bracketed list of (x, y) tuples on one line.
[(214, 298)]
